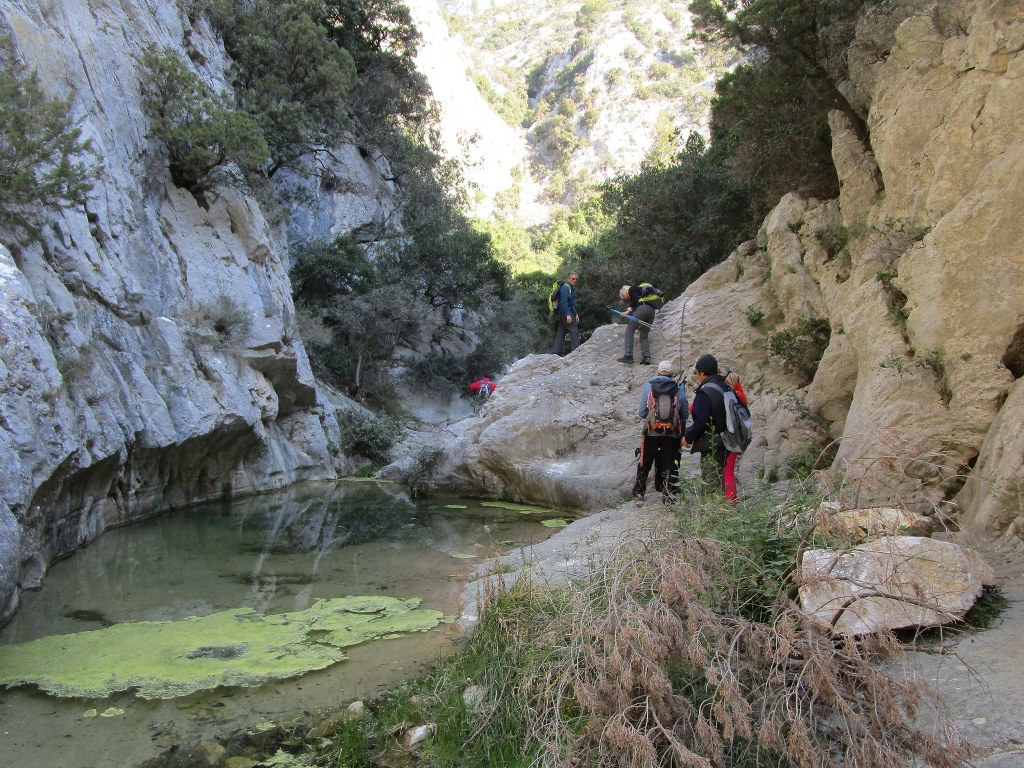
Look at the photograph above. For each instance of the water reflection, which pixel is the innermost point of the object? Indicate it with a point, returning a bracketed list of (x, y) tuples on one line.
[(272, 553)]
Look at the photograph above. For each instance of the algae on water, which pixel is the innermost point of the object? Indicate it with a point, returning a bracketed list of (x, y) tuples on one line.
[(526, 509), (162, 660)]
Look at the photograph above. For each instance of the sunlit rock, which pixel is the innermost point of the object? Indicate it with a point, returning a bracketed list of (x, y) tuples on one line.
[(861, 523), (890, 583)]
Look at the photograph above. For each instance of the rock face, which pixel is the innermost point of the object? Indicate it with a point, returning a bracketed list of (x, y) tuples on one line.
[(916, 270), (148, 345), (608, 82), (890, 583), (493, 153)]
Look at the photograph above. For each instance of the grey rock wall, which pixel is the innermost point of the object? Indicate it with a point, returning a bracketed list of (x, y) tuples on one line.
[(117, 399)]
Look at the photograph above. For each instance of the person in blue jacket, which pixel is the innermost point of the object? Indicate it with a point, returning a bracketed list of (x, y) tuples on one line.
[(568, 316), (660, 443)]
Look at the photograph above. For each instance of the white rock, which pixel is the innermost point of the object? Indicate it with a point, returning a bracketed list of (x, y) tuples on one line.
[(893, 582)]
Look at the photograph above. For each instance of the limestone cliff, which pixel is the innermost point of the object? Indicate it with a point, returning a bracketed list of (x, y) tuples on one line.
[(149, 355), (917, 269)]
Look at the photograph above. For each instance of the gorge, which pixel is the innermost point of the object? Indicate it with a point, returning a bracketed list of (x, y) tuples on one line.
[(118, 400)]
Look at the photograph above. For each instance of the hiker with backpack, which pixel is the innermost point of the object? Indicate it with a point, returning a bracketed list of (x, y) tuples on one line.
[(663, 409), (643, 300), (564, 305), (482, 388), (721, 426)]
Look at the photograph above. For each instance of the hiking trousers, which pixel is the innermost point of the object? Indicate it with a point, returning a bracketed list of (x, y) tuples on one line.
[(721, 470), (645, 313), (573, 329), (661, 452)]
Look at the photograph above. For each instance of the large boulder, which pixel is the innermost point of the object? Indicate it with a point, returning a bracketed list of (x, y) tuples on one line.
[(891, 583)]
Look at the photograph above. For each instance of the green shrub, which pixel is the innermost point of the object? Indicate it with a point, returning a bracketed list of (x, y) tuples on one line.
[(754, 315), (804, 461), (222, 323), (203, 132), (39, 144), (800, 348), (369, 435)]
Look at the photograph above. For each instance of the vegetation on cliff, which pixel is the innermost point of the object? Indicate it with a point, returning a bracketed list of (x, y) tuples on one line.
[(305, 79), (42, 152)]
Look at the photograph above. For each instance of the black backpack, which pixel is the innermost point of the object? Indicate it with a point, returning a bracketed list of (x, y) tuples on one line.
[(737, 434), (663, 408)]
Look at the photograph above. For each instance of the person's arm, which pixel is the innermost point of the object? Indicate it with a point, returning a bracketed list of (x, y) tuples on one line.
[(644, 410), (564, 301), (683, 406), (701, 414)]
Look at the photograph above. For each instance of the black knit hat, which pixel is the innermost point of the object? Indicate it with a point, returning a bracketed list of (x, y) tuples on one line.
[(706, 364)]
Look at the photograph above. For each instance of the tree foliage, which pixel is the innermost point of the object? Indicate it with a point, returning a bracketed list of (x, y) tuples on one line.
[(288, 74), (672, 223), (40, 148), (313, 71), (203, 132), (773, 135), (806, 39)]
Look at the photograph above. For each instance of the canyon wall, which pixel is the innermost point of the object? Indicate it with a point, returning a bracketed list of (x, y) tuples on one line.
[(914, 274), (150, 356)]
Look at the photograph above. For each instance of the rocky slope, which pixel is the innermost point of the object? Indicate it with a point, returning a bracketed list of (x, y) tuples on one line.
[(916, 268), (591, 88)]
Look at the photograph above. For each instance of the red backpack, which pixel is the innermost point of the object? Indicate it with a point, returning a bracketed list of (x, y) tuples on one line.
[(663, 408)]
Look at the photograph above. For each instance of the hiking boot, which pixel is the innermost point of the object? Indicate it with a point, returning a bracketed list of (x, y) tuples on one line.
[(627, 359), (645, 361)]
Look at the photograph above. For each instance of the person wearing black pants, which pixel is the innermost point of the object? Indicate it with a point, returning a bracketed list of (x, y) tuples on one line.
[(660, 443), (568, 316)]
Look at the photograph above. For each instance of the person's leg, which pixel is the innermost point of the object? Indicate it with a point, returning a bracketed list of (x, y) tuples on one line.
[(729, 477), (643, 467), (630, 330), (574, 336), (664, 465), (676, 453), (556, 345), (645, 313), (645, 345)]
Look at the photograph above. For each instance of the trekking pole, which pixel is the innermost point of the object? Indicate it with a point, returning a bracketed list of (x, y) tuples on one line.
[(630, 317)]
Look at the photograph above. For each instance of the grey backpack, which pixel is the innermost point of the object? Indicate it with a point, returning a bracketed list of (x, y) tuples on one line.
[(737, 434)]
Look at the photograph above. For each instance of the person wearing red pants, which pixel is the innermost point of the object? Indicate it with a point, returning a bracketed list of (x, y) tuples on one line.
[(729, 475), (709, 419)]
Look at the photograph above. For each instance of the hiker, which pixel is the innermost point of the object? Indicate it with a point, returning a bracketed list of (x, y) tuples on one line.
[(709, 420), (733, 380), (568, 315), (643, 301), (729, 475), (663, 430), (482, 388)]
